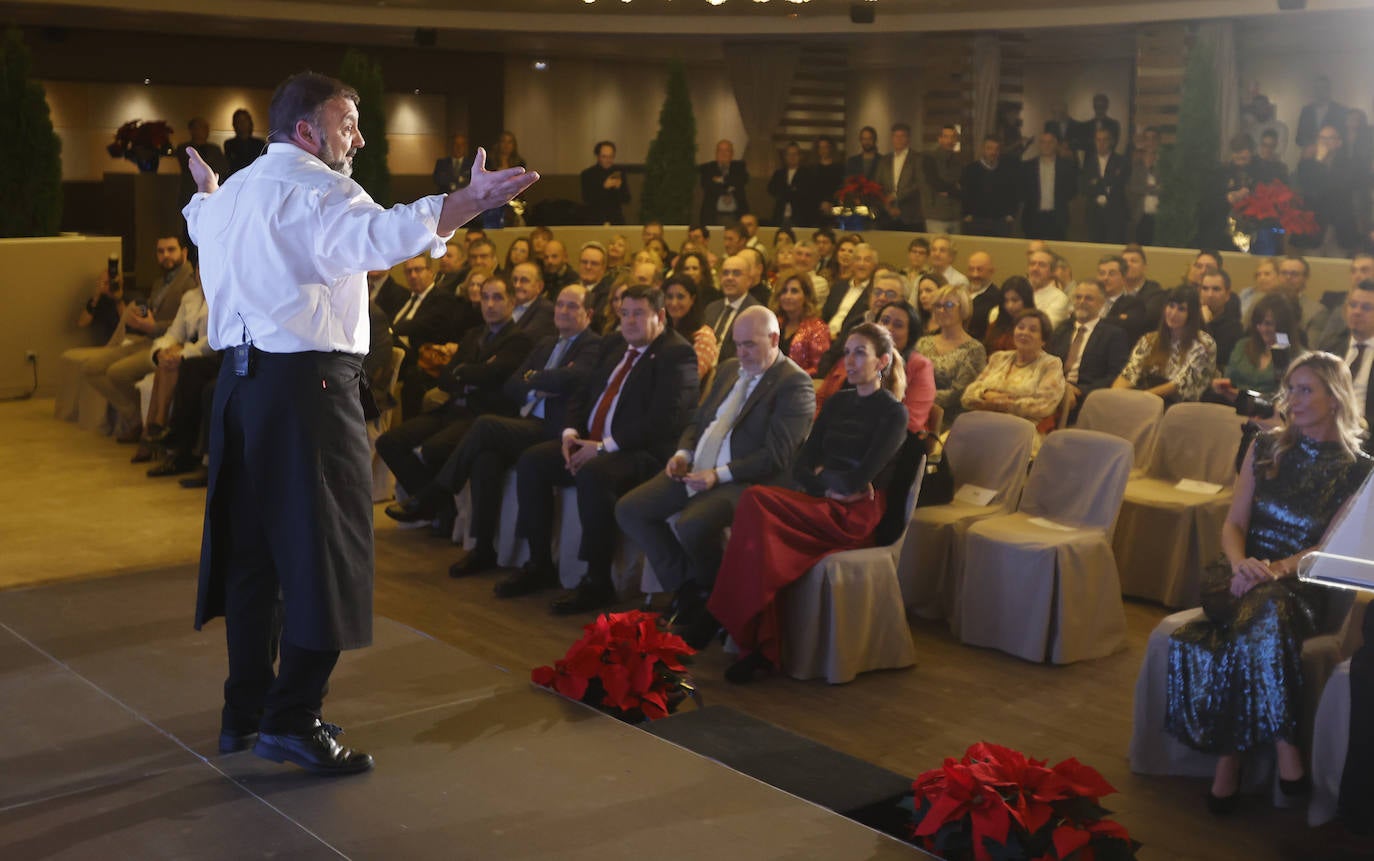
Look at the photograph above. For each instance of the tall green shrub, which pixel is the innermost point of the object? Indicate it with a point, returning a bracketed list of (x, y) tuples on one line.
[(670, 170), (364, 74), (1185, 166), (30, 151)]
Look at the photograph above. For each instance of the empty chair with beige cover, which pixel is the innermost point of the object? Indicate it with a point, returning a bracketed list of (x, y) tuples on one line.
[(1130, 414), (1041, 583), (1166, 533), (985, 450)]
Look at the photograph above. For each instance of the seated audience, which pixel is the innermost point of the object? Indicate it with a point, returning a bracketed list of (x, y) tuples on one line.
[(557, 272), (747, 431), (1093, 351), (1025, 381), (388, 293), (917, 257), (102, 312), (928, 286), (516, 253), (617, 255), (849, 299), (1235, 678), (1177, 361), (1017, 295), (721, 314), (982, 292), (533, 314), (620, 428), (1122, 308), (841, 475), (957, 356), (452, 270), (805, 257), (1355, 344), (1049, 294), (186, 338), (609, 321), (685, 317), (900, 320), (804, 336), (942, 257), (1258, 360), (1220, 312)]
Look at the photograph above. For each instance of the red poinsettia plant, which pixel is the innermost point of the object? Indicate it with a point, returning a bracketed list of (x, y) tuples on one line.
[(859, 190), (627, 664), (997, 803), (136, 137), (1274, 204)]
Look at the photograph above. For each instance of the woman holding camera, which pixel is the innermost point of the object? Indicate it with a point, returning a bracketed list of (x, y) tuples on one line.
[(1235, 678), (1259, 359)]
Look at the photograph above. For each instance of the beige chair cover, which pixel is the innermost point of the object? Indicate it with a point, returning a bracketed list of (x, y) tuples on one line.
[(990, 450), (1130, 414), (1330, 739), (1051, 592), (77, 400), (383, 482), (845, 617), (1164, 536)]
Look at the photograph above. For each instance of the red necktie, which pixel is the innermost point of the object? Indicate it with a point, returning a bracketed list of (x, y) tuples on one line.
[(603, 406)]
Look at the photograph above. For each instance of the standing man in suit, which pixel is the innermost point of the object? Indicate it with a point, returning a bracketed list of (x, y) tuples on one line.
[(604, 190), (847, 303), (864, 162), (721, 314), (1143, 188), (746, 431), (1092, 350), (1105, 175), (1064, 127), (453, 171), (1320, 112), (1356, 346), (990, 192), (793, 204), (1100, 121), (1047, 185), (899, 173), (620, 428), (533, 314), (724, 187), (941, 194)]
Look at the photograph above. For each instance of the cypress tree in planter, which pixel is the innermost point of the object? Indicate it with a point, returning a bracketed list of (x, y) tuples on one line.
[(1185, 166), (364, 74), (670, 171), (30, 151)]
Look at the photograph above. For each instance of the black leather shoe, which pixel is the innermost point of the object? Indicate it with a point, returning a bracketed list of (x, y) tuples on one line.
[(317, 751), (588, 596), (700, 631), (750, 668), (1296, 788), (526, 581), (1222, 805), (233, 742), (476, 562), (144, 453), (172, 466), (410, 511), (201, 478)]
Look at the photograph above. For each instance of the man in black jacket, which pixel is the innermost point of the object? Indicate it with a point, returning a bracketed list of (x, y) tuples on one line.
[(1105, 174), (620, 427), (746, 431), (990, 192), (1220, 314), (1093, 351), (1048, 183), (724, 187), (604, 189)]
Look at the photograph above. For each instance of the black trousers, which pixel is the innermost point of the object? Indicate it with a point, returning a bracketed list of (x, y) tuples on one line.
[(1357, 782), (1044, 225), (436, 434), (287, 698), (600, 484), (493, 445), (184, 429)]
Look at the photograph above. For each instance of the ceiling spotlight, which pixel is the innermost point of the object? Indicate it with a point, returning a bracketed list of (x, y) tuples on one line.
[(417, 91), (147, 81), (541, 65)]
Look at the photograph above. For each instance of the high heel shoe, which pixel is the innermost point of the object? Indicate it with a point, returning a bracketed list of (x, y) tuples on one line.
[(1296, 788), (1222, 805)]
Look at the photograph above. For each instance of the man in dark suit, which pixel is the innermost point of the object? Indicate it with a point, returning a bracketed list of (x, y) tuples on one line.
[(793, 204), (984, 294), (724, 187), (1092, 350), (1140, 287), (1321, 112), (1220, 314), (1356, 346), (429, 316), (541, 386), (454, 170), (746, 431), (473, 378), (990, 192), (604, 190), (620, 428), (1105, 175), (1325, 177), (1100, 121), (899, 173), (557, 271), (864, 162), (389, 294), (721, 314), (847, 303), (1064, 127), (1048, 184), (533, 314)]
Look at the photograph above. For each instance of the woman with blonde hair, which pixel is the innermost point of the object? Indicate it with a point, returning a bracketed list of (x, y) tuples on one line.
[(956, 356)]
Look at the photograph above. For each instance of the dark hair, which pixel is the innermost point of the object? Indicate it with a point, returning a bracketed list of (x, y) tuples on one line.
[(1225, 278), (1366, 284), (735, 228), (1158, 357), (949, 126), (913, 323), (479, 231), (994, 138), (705, 231), (1134, 248), (1113, 258), (541, 230), (497, 278), (784, 231), (1046, 327), (870, 130), (241, 112), (1285, 320), (652, 295), (484, 241), (181, 243), (596, 150), (1005, 322), (1306, 267), (1052, 133), (302, 97), (1241, 142), (810, 305), (919, 242), (901, 127), (529, 258), (688, 325), (1212, 253), (826, 232), (708, 278)]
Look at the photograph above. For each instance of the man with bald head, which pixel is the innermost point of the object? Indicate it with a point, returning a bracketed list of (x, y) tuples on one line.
[(646, 274), (720, 315), (746, 431), (723, 187), (984, 293), (533, 313), (558, 273)]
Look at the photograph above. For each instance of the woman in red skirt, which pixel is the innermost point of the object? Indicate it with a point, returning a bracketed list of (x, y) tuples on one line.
[(840, 475)]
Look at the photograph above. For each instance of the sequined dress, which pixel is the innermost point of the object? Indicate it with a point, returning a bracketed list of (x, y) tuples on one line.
[(1236, 686)]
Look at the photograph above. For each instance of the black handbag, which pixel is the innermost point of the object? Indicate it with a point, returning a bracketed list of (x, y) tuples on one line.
[(1217, 601), (937, 488)]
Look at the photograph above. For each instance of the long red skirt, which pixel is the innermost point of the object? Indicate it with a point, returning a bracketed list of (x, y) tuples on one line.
[(777, 536)]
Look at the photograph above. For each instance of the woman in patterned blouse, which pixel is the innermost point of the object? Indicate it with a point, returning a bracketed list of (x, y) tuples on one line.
[(805, 336), (956, 355), (1024, 381), (1177, 362)]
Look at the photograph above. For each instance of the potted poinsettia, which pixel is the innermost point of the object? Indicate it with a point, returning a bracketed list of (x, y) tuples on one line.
[(142, 143), (1260, 219), (626, 664), (997, 803), (857, 203)]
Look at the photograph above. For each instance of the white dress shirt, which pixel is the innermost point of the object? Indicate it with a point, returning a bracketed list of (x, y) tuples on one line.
[(285, 247), (898, 165), (1047, 185), (846, 304), (188, 327), (955, 277), (1053, 302)]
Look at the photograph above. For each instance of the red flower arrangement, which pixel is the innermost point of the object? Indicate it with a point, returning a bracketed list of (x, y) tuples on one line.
[(859, 190), (998, 803), (626, 664), (1274, 204), (154, 136)]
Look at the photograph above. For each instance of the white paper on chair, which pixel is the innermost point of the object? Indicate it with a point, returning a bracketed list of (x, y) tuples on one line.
[(1192, 485), (972, 494), (1049, 524), (1346, 559)]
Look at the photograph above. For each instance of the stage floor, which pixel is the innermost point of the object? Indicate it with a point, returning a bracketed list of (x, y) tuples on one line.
[(109, 712)]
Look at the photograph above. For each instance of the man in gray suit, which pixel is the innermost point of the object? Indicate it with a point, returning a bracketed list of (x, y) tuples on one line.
[(721, 314), (899, 174), (746, 431), (1355, 344)]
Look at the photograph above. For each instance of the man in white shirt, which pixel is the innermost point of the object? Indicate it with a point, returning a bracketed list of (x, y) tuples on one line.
[(1048, 297), (898, 174), (721, 314), (942, 256), (805, 258), (847, 304), (1356, 346), (284, 249)]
